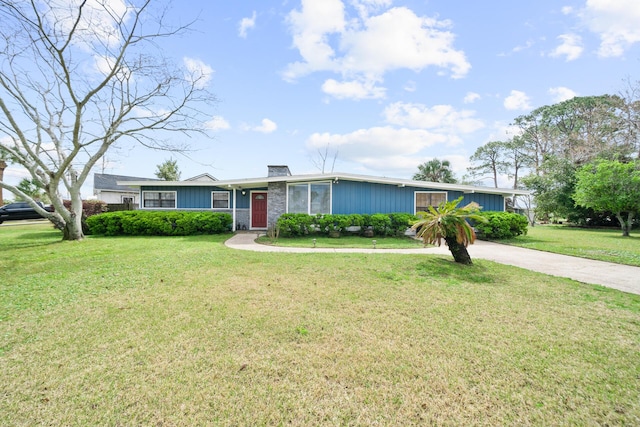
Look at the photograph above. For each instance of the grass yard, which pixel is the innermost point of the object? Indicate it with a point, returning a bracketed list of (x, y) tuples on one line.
[(343, 242), (184, 331), (600, 244)]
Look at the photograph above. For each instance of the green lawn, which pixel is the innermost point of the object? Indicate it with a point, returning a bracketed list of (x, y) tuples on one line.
[(184, 331), (600, 244), (343, 242)]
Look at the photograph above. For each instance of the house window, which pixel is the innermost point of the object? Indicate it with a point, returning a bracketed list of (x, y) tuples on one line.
[(220, 200), (424, 199), (310, 198), (127, 199), (159, 199)]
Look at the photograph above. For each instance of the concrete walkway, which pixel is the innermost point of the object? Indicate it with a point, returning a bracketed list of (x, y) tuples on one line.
[(622, 277)]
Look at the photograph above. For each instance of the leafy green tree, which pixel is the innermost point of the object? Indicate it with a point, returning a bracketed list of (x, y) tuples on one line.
[(168, 170), (449, 222), (553, 188), (558, 139), (610, 185), (435, 170), (33, 189), (489, 162)]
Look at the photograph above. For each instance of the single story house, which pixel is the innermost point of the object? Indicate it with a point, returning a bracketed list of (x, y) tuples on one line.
[(256, 203)]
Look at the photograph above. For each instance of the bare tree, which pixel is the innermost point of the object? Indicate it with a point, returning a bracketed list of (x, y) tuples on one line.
[(78, 77), (321, 159)]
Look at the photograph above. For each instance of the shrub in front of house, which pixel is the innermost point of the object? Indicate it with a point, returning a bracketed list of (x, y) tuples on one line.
[(159, 223), (501, 225), (295, 224), (381, 224), (337, 223), (400, 221)]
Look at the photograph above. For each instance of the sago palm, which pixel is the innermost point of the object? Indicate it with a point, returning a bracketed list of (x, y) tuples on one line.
[(449, 222)]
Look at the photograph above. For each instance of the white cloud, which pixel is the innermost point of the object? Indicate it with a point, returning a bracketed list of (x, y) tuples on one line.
[(413, 132), (366, 7), (377, 142), (615, 21), (353, 89), (104, 66), (567, 10), (267, 126), (561, 93), (198, 72), (246, 24), (366, 47), (471, 97), (443, 119), (410, 86), (517, 100), (571, 47), (217, 123), (97, 24), (311, 27), (383, 148)]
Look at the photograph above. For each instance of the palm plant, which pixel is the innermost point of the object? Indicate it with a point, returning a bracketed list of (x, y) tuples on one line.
[(435, 170), (449, 222)]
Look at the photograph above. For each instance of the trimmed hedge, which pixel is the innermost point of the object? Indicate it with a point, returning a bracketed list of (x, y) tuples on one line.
[(159, 223), (291, 225), (501, 225)]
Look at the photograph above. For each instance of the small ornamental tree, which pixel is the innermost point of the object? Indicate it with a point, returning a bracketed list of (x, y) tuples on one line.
[(168, 170), (449, 222), (609, 185)]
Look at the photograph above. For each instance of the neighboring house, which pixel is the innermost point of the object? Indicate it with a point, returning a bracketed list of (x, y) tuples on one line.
[(203, 177), (107, 189), (256, 203)]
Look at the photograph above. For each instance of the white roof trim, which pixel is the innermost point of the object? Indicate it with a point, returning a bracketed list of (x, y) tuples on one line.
[(264, 181)]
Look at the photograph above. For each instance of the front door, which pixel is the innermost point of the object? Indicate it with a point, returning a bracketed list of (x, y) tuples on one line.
[(258, 210)]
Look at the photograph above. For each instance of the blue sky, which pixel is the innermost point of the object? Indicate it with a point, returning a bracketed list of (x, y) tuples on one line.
[(388, 84)]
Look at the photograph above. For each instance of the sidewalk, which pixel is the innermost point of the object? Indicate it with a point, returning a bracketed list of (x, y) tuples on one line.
[(622, 277)]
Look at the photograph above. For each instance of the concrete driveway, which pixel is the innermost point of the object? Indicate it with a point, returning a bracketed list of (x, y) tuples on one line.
[(622, 277)]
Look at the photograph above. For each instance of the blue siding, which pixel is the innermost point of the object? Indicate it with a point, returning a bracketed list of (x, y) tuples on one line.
[(195, 197), (369, 198), (347, 197), (488, 202)]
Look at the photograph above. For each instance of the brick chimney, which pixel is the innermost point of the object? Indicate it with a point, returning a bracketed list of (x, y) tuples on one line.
[(278, 171)]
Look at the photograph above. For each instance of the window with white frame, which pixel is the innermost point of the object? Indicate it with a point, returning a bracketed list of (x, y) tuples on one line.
[(310, 198), (219, 200), (159, 199), (424, 199)]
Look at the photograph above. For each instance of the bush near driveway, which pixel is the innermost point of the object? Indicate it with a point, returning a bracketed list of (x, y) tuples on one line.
[(159, 223), (501, 225)]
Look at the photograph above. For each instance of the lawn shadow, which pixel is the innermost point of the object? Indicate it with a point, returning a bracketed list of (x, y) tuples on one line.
[(32, 239), (443, 267)]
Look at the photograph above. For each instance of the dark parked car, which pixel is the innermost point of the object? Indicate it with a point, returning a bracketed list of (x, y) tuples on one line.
[(20, 210)]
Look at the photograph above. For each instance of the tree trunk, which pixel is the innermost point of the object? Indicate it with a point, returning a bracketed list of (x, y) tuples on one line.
[(3, 166), (625, 225), (73, 228), (458, 251)]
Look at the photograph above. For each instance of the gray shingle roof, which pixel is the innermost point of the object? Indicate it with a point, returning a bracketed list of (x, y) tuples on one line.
[(103, 181)]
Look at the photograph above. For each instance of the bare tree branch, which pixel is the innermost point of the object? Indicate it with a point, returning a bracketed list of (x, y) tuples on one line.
[(77, 79)]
